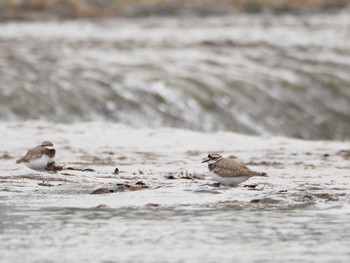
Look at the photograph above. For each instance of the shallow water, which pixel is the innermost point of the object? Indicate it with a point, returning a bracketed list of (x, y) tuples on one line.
[(301, 212), (174, 235), (266, 75)]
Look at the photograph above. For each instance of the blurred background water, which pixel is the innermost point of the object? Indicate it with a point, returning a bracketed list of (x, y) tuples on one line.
[(263, 73)]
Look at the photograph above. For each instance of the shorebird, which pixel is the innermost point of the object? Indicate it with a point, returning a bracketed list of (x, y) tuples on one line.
[(228, 171), (39, 157)]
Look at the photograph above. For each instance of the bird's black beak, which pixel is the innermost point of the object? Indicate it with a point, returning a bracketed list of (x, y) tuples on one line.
[(206, 160)]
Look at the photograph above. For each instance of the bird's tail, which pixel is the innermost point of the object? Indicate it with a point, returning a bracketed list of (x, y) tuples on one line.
[(20, 160)]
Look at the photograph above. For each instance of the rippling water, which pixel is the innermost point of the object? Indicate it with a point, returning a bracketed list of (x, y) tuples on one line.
[(174, 235), (301, 212), (252, 74)]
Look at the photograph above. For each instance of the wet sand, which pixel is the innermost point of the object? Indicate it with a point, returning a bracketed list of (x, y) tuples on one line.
[(300, 212)]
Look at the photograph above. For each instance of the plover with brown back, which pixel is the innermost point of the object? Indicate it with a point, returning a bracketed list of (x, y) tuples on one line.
[(228, 171), (39, 157)]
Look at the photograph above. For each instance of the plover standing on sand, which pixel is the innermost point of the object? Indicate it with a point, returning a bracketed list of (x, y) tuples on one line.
[(39, 157), (228, 171)]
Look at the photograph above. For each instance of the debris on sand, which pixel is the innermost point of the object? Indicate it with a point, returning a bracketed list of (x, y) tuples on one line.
[(135, 187), (44, 183), (251, 186), (100, 191), (190, 175), (121, 188), (53, 167), (81, 170), (184, 175)]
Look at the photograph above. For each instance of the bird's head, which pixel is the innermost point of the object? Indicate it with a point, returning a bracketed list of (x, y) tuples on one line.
[(47, 145), (212, 158)]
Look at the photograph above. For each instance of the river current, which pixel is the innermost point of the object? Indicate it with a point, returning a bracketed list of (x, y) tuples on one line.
[(263, 75)]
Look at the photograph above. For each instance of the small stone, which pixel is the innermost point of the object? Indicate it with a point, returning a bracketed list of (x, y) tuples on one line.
[(100, 191), (135, 187), (170, 176)]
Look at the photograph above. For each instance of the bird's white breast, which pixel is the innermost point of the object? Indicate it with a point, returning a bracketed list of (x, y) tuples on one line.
[(38, 164), (228, 180)]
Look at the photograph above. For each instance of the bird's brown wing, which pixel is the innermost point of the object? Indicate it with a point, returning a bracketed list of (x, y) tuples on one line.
[(33, 153), (232, 168)]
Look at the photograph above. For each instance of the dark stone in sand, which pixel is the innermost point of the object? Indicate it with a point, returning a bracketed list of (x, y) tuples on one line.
[(100, 191), (253, 186), (135, 187), (142, 183), (171, 177)]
